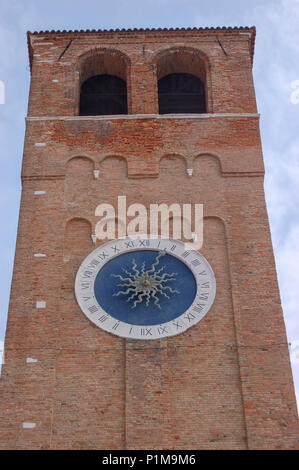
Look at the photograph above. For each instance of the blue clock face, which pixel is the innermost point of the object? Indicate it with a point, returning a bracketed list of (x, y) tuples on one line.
[(145, 288)]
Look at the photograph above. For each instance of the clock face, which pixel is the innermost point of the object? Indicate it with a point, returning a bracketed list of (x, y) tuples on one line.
[(145, 288)]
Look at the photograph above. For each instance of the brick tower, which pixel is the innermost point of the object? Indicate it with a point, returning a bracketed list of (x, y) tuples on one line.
[(128, 112)]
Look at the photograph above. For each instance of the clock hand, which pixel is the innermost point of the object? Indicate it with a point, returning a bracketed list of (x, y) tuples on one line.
[(162, 253)]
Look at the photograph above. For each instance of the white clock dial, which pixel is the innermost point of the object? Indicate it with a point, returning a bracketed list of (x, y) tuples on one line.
[(145, 288)]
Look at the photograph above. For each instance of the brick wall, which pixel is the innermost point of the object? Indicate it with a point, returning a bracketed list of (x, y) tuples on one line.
[(225, 383)]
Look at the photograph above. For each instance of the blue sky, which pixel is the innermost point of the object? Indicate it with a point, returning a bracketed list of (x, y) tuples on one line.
[(276, 68)]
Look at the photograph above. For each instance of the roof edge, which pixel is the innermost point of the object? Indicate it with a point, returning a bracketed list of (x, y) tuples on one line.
[(219, 29)]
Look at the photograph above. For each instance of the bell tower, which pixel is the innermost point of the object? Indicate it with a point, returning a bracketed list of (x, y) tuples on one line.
[(159, 116)]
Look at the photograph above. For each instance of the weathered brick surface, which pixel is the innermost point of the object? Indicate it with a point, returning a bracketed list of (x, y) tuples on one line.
[(225, 383)]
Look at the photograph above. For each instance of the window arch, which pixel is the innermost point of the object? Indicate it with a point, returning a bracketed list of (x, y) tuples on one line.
[(182, 82), (103, 88)]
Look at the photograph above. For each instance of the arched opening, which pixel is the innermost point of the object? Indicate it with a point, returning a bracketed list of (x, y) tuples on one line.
[(182, 81), (103, 83), (181, 93), (103, 94)]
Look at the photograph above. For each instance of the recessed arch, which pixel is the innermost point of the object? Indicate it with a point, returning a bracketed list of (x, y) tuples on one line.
[(208, 156), (88, 161), (76, 220), (215, 242), (217, 220), (114, 166), (79, 175), (103, 61), (76, 244), (181, 59), (77, 236), (183, 81), (173, 156), (112, 155), (102, 87), (173, 167)]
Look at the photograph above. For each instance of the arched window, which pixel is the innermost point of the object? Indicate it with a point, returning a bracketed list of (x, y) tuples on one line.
[(181, 93), (103, 83), (103, 94), (182, 81)]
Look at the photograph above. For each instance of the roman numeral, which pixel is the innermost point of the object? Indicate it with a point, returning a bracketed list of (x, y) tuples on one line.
[(204, 296), (93, 309), (85, 285), (198, 308), (186, 254), (103, 318), (162, 329), (115, 326), (195, 262), (94, 263), (116, 250), (173, 248), (203, 273), (87, 274), (144, 243), (205, 285), (86, 298), (190, 317), (103, 255), (129, 244), (146, 331), (176, 323)]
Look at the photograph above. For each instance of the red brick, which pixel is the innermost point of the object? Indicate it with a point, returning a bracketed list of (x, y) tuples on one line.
[(225, 383)]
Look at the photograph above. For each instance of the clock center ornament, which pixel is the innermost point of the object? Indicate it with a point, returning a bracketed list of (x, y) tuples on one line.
[(145, 288), (146, 285)]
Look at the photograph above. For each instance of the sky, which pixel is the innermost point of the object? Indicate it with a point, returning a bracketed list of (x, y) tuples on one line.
[(276, 76)]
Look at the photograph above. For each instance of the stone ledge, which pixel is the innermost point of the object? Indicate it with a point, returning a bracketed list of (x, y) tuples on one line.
[(143, 116)]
